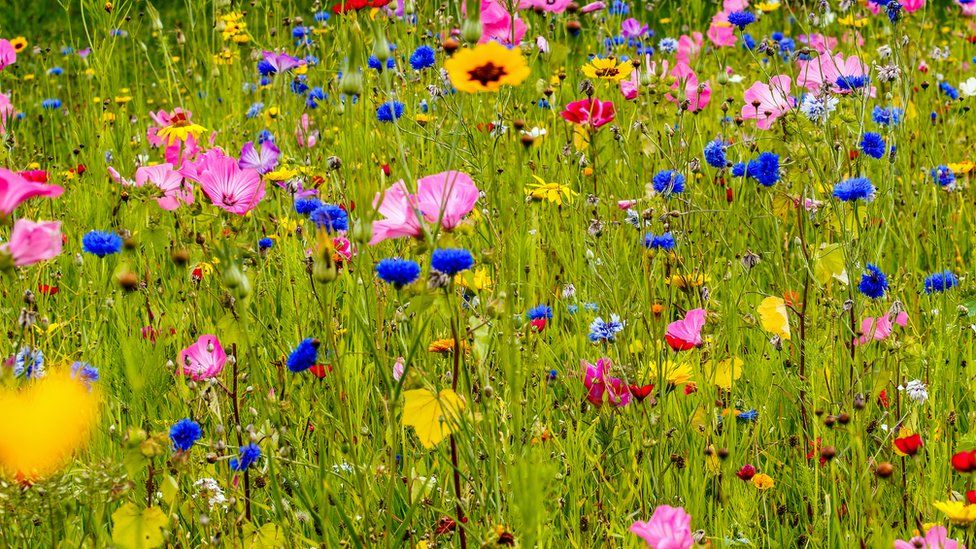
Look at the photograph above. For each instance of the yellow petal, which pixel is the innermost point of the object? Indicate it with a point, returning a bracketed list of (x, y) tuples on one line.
[(773, 316), (432, 416)]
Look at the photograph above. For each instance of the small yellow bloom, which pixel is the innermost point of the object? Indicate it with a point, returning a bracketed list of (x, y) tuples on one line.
[(686, 281), (108, 116), (281, 174), (767, 7), (551, 192), (478, 280), (607, 69), (445, 346), (959, 512), (19, 44), (486, 67), (963, 167), (850, 21), (763, 481)]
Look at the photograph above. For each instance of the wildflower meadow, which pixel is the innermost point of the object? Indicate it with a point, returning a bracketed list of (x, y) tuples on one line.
[(487, 273)]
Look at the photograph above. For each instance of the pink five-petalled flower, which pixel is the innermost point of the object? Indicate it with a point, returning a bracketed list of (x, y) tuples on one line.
[(229, 186), (767, 102), (8, 55), (589, 112), (170, 184), (444, 197), (15, 189), (204, 359), (937, 537), (601, 386), (669, 528), (32, 242), (685, 334)]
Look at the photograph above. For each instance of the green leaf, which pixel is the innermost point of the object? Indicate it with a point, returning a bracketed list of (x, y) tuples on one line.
[(138, 529), (267, 536)]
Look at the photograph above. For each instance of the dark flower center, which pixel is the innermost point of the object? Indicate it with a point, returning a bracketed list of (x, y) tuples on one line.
[(608, 72), (489, 72)]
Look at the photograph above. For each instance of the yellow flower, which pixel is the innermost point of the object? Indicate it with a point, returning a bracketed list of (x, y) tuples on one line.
[(958, 512), (553, 192), (486, 67), (686, 281), (180, 128), (445, 346), (477, 280), (225, 57), (281, 174), (767, 7), (122, 99), (763, 481), (607, 69), (965, 166), (849, 21), (19, 44)]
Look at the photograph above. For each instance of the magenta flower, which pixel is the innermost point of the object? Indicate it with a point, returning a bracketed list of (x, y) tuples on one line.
[(8, 55), (204, 359), (499, 25), (827, 72), (552, 6), (443, 198), (6, 109), (227, 185), (14, 190), (593, 6), (601, 386), (170, 183), (263, 160), (305, 135), (767, 102), (878, 329), (721, 32), (697, 94), (937, 537), (688, 47), (589, 112), (632, 28), (669, 528), (818, 42), (280, 61), (32, 242)]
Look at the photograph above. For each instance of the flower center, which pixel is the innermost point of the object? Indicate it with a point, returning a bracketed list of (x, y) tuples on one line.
[(607, 72), (489, 72)]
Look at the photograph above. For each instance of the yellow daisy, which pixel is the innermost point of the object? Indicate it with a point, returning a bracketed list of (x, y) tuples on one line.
[(552, 192), (486, 67), (607, 69)]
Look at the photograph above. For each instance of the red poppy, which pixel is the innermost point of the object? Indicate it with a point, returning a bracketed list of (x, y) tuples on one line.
[(641, 392), (964, 462), (690, 388), (971, 496), (909, 445), (47, 289), (35, 176), (883, 398), (353, 5), (320, 371), (539, 324), (197, 274), (445, 525)]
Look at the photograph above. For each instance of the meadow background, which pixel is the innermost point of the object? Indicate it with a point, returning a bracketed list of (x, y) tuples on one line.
[(537, 463)]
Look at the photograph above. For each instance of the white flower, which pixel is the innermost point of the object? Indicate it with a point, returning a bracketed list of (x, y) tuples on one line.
[(210, 489), (968, 87), (817, 109), (915, 390)]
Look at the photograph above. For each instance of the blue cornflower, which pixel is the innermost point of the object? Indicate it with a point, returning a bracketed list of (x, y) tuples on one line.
[(29, 363), (374, 63), (944, 177), (948, 90), (850, 83), (715, 153), (668, 182), (55, 71), (873, 145), (890, 116), (265, 135), (422, 57), (299, 32), (893, 9), (742, 19), (668, 45), (266, 68), (51, 104), (249, 454), (184, 434), (748, 415), (84, 372), (764, 169), (265, 243), (322, 16), (601, 330), (539, 311), (101, 243), (874, 283), (317, 94), (748, 42), (299, 86), (662, 242), (305, 206), (398, 272), (940, 282), (451, 261), (330, 217), (619, 7), (304, 355), (254, 110), (389, 111), (858, 188)]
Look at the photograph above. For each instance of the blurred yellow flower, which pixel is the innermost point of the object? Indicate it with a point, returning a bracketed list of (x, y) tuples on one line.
[(551, 192), (763, 481), (958, 512), (608, 69)]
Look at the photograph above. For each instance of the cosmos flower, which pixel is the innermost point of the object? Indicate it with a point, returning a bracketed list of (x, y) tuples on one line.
[(443, 198), (32, 242), (15, 189), (591, 113), (227, 185), (767, 102)]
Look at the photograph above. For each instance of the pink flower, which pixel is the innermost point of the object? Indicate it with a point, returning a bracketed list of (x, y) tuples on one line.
[(968, 8), (399, 367), (688, 47), (589, 112), (204, 359), (8, 55), (818, 42), (6, 109), (263, 160), (15, 189), (227, 185), (630, 87), (728, 6), (827, 72), (446, 197), (552, 6), (170, 183), (669, 528), (593, 6), (632, 28), (721, 32), (685, 334), (599, 384), (32, 242), (499, 25), (878, 329), (443, 198), (304, 134), (698, 95), (937, 537), (767, 102)]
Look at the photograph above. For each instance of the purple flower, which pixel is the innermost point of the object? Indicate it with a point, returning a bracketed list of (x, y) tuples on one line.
[(263, 160), (632, 28)]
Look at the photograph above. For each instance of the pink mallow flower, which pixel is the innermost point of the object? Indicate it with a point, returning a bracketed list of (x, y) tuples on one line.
[(767, 102), (443, 198), (499, 25), (15, 189), (204, 359), (589, 112), (833, 73), (32, 242), (878, 329), (227, 185), (937, 537), (174, 192), (669, 528), (6, 110)]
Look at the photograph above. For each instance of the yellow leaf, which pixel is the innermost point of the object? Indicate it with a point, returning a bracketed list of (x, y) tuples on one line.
[(829, 264), (432, 416), (266, 537), (773, 316), (138, 529), (724, 372)]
